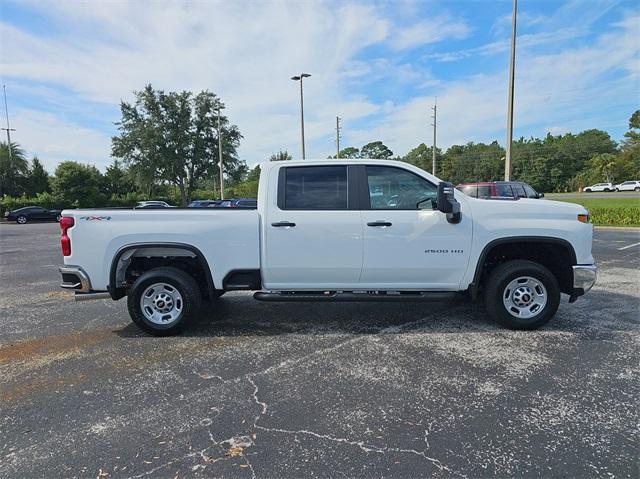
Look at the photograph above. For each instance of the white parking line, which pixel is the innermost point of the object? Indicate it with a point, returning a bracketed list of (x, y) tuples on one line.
[(628, 246)]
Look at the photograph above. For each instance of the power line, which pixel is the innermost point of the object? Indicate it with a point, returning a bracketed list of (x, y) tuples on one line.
[(434, 124), (8, 129)]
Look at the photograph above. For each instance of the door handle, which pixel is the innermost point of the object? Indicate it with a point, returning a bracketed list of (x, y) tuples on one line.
[(283, 223), (379, 223)]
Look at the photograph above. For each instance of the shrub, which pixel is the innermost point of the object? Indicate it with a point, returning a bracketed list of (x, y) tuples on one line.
[(46, 200)]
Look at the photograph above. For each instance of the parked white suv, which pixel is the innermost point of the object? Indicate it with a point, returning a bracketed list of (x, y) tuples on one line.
[(335, 230), (628, 186), (599, 187)]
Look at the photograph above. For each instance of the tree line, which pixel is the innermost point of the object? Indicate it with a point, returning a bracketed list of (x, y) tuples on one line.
[(166, 147)]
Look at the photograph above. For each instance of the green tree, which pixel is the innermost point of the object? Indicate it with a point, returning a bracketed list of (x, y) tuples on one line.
[(254, 174), (630, 151), (634, 121), (422, 157), (553, 163), (376, 150), (349, 152), (38, 179), (78, 184), (118, 180), (604, 164), (173, 137), (14, 169), (281, 156), (473, 162)]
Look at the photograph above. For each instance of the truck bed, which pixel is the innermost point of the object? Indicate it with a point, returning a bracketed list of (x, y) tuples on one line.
[(227, 238)]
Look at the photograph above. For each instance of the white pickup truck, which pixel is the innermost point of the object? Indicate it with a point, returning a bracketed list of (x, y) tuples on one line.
[(335, 230)]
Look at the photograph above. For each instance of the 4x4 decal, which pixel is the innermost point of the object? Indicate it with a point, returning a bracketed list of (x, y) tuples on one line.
[(96, 218)]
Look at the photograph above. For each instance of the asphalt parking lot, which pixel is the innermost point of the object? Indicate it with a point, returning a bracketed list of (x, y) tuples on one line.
[(324, 390)]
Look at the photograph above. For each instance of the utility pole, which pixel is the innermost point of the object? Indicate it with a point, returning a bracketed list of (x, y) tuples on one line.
[(434, 124), (512, 67), (220, 165), (300, 78), (8, 128), (337, 137)]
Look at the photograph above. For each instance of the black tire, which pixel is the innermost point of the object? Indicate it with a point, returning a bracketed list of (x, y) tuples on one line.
[(587, 190), (22, 220), (496, 286), (617, 189), (186, 286), (637, 188), (607, 190)]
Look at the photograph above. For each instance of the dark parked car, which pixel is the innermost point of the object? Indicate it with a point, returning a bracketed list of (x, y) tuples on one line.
[(204, 203), (246, 203), (499, 189), (32, 213)]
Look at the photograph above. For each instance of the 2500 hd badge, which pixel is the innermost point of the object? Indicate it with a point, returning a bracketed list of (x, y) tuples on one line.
[(443, 251)]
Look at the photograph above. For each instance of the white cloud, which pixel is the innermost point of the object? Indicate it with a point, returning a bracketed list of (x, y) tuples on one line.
[(573, 87), (435, 30), (54, 140), (555, 130), (98, 52), (245, 52), (572, 20)]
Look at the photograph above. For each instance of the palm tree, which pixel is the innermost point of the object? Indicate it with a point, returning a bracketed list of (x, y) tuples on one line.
[(14, 167)]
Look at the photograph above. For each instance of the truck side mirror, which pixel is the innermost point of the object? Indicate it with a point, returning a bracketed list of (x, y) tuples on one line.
[(447, 202)]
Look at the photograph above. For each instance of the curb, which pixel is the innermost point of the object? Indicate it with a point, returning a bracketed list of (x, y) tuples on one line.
[(618, 228)]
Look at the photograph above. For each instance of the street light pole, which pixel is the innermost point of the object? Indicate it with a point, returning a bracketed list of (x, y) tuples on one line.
[(220, 164), (512, 66), (300, 78)]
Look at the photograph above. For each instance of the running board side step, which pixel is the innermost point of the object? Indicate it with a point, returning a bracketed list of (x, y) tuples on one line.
[(92, 295), (334, 296)]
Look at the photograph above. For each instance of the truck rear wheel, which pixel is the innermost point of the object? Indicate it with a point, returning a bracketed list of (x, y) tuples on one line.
[(521, 295), (163, 301)]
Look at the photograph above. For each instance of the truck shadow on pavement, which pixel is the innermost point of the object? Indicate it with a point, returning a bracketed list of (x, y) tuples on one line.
[(240, 315)]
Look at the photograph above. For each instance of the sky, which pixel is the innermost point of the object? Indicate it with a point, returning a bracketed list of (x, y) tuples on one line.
[(377, 65)]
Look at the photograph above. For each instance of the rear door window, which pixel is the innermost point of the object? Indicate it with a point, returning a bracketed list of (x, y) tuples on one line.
[(484, 191), (316, 188), (504, 191)]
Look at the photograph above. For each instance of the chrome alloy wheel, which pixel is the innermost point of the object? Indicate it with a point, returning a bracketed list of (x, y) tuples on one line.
[(161, 303), (524, 297), (22, 220)]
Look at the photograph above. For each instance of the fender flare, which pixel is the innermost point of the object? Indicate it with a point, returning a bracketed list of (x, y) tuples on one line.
[(117, 293), (473, 287)]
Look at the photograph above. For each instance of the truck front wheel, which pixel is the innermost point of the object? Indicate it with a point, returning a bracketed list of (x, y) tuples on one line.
[(162, 301), (521, 294)]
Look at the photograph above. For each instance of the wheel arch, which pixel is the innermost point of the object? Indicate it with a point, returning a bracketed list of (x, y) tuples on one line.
[(122, 259), (562, 257)]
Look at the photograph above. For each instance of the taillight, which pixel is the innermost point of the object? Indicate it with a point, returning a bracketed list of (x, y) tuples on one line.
[(66, 222)]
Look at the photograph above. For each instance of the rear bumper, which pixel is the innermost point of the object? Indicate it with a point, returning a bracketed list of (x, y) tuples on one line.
[(584, 277), (74, 277)]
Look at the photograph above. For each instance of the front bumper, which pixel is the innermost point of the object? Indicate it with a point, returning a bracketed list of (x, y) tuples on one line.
[(584, 277), (74, 277)]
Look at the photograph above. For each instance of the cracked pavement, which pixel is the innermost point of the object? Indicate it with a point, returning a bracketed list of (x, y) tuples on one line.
[(262, 390)]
